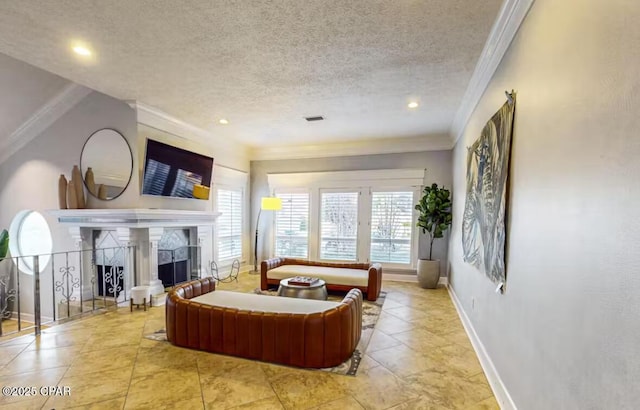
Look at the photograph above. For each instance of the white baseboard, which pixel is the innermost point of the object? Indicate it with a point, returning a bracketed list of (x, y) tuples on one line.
[(499, 389), (444, 281), (28, 317), (398, 277)]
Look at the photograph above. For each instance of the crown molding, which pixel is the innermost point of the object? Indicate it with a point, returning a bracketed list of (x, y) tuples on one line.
[(40, 120), (332, 179), (364, 147), (156, 118), (511, 15)]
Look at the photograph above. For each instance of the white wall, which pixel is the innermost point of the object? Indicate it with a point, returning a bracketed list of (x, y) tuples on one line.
[(437, 164), (235, 160), (566, 333)]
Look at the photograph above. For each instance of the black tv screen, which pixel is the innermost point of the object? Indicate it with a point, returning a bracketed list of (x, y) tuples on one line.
[(172, 171)]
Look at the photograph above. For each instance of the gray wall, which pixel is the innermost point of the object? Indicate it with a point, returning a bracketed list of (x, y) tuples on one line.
[(565, 335), (29, 178), (437, 164)]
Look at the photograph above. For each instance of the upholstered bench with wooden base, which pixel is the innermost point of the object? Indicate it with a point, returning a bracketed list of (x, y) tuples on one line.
[(339, 276), (296, 332)]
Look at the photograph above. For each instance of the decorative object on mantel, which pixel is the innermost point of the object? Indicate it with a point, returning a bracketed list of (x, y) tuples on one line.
[(76, 177), (200, 192), (102, 192), (72, 201), (90, 182), (71, 192), (62, 192), (435, 218), (483, 225)]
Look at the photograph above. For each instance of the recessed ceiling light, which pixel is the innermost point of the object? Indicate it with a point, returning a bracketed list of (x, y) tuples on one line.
[(223, 121), (83, 51), (412, 104)]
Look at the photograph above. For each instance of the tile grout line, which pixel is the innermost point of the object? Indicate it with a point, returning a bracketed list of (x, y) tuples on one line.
[(135, 361), (204, 405), (272, 389), (16, 356), (357, 401)]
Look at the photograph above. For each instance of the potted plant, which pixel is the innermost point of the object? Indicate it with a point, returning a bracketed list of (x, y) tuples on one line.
[(4, 244), (434, 218)]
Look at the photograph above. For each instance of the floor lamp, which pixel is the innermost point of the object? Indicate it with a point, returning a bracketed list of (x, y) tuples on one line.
[(267, 204)]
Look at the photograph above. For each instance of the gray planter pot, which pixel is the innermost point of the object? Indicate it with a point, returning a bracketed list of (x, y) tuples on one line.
[(428, 273)]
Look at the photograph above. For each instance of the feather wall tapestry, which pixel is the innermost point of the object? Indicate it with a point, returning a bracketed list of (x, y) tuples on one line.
[(483, 224)]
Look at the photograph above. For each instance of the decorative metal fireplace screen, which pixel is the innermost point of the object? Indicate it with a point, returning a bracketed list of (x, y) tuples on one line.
[(178, 261), (109, 256)]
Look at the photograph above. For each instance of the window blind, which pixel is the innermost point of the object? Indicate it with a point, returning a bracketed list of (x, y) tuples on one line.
[(339, 225), (229, 224), (391, 226), (292, 225)]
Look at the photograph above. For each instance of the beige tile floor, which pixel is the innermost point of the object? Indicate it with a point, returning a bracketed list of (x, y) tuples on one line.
[(419, 358)]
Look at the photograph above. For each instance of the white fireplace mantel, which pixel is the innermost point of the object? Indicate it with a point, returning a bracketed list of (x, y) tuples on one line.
[(133, 218), (140, 227)]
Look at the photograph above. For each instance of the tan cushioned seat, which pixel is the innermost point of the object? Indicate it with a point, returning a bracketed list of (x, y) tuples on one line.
[(335, 276), (325, 338), (263, 303), (340, 276)]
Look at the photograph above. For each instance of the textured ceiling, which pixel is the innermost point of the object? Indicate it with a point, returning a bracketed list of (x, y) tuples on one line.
[(265, 65)]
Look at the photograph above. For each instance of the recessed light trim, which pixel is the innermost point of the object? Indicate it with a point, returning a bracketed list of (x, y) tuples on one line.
[(224, 121), (413, 104), (82, 51)]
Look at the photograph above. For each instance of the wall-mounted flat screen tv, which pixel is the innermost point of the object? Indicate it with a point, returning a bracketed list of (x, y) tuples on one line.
[(173, 172)]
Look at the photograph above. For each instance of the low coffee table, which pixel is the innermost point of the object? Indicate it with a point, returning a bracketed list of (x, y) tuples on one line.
[(318, 290)]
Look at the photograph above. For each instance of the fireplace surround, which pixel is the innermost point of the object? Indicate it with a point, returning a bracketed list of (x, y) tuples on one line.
[(144, 229)]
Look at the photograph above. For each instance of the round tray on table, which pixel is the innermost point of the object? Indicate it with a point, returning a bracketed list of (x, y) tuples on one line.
[(317, 290)]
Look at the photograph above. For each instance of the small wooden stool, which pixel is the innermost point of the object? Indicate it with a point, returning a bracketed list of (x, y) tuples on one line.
[(140, 295)]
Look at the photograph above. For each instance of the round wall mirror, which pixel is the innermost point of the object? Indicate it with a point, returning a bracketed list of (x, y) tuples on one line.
[(106, 164)]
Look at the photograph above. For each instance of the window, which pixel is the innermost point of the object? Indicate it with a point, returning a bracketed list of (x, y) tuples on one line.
[(30, 235), (391, 227), (229, 223), (292, 225), (353, 216), (339, 225)]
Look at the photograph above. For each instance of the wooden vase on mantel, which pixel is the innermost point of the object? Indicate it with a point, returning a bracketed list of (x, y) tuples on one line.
[(76, 177), (90, 181), (62, 192), (102, 192), (72, 202)]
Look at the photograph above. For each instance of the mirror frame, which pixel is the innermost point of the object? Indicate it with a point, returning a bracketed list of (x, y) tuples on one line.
[(83, 171)]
